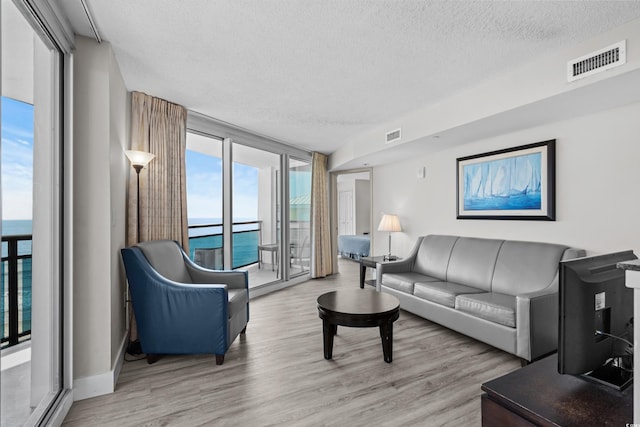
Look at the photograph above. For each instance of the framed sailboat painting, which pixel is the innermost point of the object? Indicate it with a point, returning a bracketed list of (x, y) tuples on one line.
[(515, 183)]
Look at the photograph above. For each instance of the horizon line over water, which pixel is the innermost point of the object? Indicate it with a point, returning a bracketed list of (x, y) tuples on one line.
[(12, 227), (17, 227)]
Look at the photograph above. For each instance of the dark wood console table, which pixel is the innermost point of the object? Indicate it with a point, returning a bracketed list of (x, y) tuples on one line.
[(537, 395)]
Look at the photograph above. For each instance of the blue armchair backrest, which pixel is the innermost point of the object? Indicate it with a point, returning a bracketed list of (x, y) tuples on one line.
[(165, 256)]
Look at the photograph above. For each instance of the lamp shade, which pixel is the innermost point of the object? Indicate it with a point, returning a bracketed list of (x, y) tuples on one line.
[(139, 158), (389, 223)]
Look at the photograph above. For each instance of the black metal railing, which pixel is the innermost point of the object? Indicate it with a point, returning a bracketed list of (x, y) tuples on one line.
[(245, 242), (15, 287)]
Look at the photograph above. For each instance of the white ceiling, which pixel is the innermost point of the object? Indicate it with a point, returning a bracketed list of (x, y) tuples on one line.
[(318, 73)]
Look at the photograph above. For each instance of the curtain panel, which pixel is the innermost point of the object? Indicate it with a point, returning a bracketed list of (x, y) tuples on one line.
[(321, 258), (158, 127)]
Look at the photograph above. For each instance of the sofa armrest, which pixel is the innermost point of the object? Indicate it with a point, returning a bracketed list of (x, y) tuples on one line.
[(399, 266), (537, 323)]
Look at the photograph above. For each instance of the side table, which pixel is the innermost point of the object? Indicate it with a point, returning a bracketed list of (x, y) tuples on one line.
[(371, 261)]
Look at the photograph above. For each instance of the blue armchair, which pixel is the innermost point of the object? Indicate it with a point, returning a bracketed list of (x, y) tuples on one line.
[(182, 308)]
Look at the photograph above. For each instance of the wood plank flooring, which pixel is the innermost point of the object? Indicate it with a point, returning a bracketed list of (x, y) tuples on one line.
[(276, 375)]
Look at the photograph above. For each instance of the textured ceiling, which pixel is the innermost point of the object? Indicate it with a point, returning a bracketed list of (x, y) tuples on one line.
[(317, 73)]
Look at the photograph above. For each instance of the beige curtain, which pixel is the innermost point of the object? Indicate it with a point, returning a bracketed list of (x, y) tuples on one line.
[(159, 127), (321, 258)]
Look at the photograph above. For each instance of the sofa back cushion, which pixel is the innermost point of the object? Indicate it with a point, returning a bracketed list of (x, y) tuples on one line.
[(473, 261), (524, 267), (433, 255)]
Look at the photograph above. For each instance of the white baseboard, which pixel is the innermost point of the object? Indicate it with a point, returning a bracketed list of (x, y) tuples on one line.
[(105, 383)]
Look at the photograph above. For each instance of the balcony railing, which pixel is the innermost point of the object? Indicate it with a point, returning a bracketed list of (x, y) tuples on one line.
[(246, 237), (15, 290)]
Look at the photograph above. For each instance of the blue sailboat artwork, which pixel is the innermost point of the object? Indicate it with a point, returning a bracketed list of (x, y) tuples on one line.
[(505, 184)]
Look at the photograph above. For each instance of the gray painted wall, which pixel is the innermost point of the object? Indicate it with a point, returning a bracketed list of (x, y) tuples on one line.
[(100, 133)]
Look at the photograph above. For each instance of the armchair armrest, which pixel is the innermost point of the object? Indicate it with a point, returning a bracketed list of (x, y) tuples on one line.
[(234, 279)]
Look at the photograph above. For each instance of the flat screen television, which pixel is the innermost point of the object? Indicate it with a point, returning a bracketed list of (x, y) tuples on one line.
[(596, 320)]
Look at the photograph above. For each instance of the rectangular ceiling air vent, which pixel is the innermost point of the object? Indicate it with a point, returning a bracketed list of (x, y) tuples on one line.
[(595, 62), (393, 136)]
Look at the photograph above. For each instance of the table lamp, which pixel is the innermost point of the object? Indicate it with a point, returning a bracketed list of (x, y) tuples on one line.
[(389, 223)]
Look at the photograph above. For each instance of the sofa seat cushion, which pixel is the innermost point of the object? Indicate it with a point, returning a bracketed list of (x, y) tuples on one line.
[(404, 281), (498, 308), (444, 293)]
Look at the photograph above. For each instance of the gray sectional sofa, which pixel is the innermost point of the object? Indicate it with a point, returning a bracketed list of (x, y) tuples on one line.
[(501, 292)]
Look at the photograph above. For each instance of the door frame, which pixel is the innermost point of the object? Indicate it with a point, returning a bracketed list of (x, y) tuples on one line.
[(333, 197)]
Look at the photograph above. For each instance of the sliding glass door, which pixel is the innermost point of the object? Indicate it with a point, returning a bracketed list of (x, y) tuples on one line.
[(256, 203), (205, 200), (300, 216), (239, 198), (31, 272)]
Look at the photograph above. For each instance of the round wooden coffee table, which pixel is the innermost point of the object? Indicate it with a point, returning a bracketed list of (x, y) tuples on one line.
[(359, 308)]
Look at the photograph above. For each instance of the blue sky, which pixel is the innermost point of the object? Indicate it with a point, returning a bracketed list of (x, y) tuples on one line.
[(204, 173), (204, 188), (17, 159)]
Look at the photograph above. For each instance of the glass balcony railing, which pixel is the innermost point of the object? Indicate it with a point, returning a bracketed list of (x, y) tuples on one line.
[(246, 238), (16, 269), (15, 290)]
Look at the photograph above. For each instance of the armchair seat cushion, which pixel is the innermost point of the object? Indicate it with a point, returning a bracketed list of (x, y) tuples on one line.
[(498, 308), (444, 293), (405, 281)]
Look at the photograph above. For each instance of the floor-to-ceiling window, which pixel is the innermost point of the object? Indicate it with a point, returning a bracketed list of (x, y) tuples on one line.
[(248, 202), (31, 272), (256, 201), (253, 226), (204, 200), (300, 215)]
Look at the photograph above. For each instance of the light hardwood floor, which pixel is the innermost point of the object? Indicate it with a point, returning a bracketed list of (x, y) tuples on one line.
[(276, 375)]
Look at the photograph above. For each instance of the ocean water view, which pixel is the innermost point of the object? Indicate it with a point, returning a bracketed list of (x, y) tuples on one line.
[(245, 252), (245, 239), (16, 228)]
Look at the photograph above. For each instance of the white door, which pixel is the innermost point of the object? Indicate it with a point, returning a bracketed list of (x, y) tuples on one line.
[(345, 212)]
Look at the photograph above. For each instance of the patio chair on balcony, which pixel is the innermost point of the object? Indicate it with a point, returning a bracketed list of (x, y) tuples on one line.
[(182, 308), (300, 255)]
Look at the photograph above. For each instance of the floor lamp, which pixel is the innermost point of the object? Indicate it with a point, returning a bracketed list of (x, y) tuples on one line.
[(138, 159), (389, 223)]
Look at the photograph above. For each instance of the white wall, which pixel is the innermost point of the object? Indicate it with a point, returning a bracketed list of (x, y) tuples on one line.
[(597, 174), (100, 130), (528, 95)]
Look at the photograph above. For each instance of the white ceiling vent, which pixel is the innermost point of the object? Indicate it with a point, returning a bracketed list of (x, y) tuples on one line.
[(393, 136), (595, 62)]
